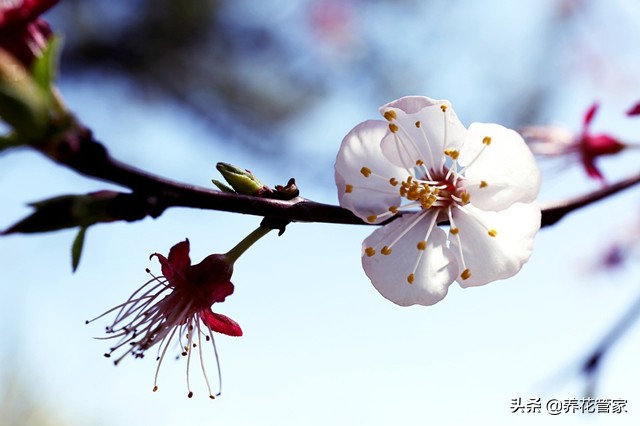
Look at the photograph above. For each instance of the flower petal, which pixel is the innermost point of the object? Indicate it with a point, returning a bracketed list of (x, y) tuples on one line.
[(420, 135), (433, 267), (500, 173), (371, 195), (500, 256), (220, 323), (174, 268)]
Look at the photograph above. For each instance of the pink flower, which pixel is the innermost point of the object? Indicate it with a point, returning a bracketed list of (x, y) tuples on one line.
[(22, 33), (556, 141), (175, 307)]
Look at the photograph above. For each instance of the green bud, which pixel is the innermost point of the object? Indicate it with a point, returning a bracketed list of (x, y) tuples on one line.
[(23, 103), (242, 181)]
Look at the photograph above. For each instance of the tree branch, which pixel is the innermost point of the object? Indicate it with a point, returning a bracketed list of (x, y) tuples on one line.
[(81, 152)]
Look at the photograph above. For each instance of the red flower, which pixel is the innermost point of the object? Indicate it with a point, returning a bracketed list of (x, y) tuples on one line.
[(593, 146), (554, 141), (176, 304), (22, 33)]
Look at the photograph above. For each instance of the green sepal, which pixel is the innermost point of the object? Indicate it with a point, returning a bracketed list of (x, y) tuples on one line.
[(23, 105), (45, 67), (76, 248)]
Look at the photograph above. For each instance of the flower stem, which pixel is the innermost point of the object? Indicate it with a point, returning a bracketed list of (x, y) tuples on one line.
[(233, 254)]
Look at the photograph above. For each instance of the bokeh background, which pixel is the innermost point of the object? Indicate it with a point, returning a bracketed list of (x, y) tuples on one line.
[(174, 87)]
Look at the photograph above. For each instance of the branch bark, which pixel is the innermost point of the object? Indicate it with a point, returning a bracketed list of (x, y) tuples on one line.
[(82, 153)]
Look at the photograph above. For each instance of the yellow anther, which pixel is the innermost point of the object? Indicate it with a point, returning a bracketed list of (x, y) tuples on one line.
[(155, 389), (411, 278), (369, 251), (393, 127), (454, 154), (348, 189), (393, 181), (422, 245), (419, 163), (454, 231), (372, 218), (486, 140), (390, 115), (418, 124), (443, 108), (492, 232), (465, 197), (393, 209), (386, 250), (365, 171), (483, 184), (466, 274)]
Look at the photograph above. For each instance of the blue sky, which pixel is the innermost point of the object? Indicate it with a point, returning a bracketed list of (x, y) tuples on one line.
[(321, 346)]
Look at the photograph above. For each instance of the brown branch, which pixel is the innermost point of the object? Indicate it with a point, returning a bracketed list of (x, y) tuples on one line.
[(79, 151)]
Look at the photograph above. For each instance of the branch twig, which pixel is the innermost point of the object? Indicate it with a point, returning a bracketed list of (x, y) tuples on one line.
[(79, 151)]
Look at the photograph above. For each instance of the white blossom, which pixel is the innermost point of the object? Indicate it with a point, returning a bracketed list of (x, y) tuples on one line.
[(422, 168)]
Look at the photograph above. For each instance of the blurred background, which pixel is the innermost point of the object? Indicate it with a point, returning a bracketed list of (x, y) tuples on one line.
[(273, 86)]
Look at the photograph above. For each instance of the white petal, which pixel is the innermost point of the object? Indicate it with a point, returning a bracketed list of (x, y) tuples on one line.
[(494, 258), (421, 132), (371, 195), (504, 173), (434, 268)]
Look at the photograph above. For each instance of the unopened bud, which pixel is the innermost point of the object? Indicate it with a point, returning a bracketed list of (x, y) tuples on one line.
[(242, 181)]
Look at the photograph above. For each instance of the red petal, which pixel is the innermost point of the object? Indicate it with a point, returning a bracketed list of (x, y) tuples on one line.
[(220, 323), (634, 110), (177, 263), (179, 257), (24, 13), (588, 116), (591, 169)]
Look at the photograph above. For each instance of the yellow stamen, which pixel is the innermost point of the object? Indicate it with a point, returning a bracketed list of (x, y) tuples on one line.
[(492, 232), (390, 115), (348, 189), (393, 128), (393, 209), (155, 389), (483, 184), (454, 231), (386, 250), (422, 245), (410, 278), (465, 197), (393, 181), (466, 274), (419, 163), (452, 153), (486, 140), (443, 108), (372, 218), (365, 171), (418, 124), (369, 251)]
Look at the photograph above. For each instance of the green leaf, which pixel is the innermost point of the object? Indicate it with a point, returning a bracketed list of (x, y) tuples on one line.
[(223, 187), (45, 66), (76, 248)]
